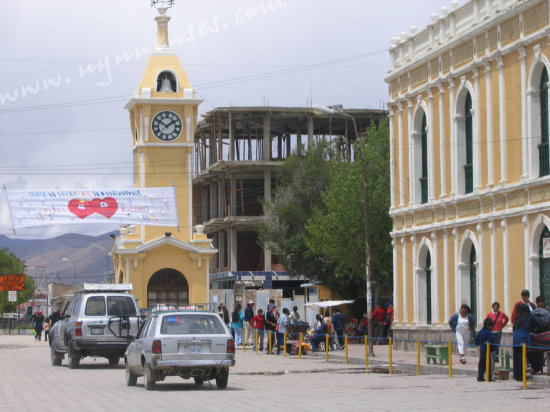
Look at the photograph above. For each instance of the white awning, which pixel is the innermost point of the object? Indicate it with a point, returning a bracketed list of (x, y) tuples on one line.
[(329, 303)]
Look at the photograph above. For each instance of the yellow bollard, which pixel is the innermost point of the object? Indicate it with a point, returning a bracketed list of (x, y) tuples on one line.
[(269, 342), (326, 346), (418, 356), (300, 347), (390, 349), (257, 341), (524, 358), (367, 353), (488, 362), (449, 349), (346, 346), (284, 349), (244, 339)]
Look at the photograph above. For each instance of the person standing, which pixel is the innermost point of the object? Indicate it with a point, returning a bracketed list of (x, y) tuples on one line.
[(46, 329), (462, 323), (483, 337), (378, 317), (237, 317), (339, 324), (270, 324), (38, 324), (525, 300), (500, 320), (521, 335), (225, 315), (258, 323), (539, 322), (248, 315), (318, 334), (282, 325)]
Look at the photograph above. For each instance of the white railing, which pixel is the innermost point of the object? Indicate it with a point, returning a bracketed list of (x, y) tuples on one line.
[(445, 27)]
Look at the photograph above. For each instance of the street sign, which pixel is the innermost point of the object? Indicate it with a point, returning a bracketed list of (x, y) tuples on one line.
[(10, 315), (12, 282), (12, 296)]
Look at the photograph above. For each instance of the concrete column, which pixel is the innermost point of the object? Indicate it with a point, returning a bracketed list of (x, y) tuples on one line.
[(213, 201), (233, 197), (502, 119), (267, 196), (480, 253), (392, 164), (525, 138), (233, 249), (404, 263), (231, 139), (505, 257), (446, 297), (431, 148), (400, 136), (452, 130), (489, 131), (476, 139), (442, 144), (221, 198), (267, 138), (222, 249), (410, 148), (435, 280), (309, 132), (492, 253), (396, 302)]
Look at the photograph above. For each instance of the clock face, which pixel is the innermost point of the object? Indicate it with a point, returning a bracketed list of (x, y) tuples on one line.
[(166, 126)]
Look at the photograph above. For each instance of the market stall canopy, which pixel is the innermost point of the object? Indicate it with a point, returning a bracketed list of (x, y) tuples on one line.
[(329, 303)]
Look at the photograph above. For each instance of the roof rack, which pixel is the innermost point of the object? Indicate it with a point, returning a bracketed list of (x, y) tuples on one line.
[(196, 307), (104, 287)]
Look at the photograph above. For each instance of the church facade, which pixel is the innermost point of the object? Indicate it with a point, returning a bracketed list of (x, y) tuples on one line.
[(470, 193), (168, 265)]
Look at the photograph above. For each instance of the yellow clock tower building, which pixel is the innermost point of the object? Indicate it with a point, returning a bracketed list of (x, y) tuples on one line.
[(167, 265)]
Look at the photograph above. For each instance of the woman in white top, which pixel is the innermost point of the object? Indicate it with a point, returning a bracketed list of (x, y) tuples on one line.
[(462, 323)]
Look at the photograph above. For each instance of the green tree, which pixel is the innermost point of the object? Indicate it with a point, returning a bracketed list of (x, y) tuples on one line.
[(10, 264), (336, 230), (299, 184)]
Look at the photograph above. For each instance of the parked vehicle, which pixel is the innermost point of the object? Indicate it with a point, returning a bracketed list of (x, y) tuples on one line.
[(99, 320), (194, 345)]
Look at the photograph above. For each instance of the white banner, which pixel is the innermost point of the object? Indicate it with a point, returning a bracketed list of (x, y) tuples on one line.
[(144, 206)]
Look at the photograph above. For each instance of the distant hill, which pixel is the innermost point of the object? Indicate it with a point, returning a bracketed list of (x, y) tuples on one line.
[(43, 257)]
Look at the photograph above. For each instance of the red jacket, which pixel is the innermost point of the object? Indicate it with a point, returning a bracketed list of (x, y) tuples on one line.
[(500, 319), (257, 322), (380, 315)]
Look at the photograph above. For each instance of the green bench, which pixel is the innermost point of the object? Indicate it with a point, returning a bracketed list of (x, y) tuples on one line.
[(435, 352)]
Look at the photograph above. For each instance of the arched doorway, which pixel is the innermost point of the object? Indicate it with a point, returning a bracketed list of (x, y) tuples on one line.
[(428, 289), (544, 264), (167, 286), (473, 282)]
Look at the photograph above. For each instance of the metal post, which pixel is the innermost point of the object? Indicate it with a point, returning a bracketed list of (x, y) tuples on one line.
[(449, 349), (300, 347), (390, 348), (346, 343), (524, 364), (487, 362), (418, 356)]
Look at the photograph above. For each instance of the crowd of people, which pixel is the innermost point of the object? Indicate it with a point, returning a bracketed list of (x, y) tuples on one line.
[(40, 324), (270, 325), (529, 320)]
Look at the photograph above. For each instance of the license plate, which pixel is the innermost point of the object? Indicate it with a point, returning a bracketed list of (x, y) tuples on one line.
[(192, 349), (96, 331)]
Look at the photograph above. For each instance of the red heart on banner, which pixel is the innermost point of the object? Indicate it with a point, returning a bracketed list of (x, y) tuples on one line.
[(106, 206), (80, 208)]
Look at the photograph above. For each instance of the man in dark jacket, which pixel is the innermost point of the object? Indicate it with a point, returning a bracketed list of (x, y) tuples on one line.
[(248, 315), (270, 324), (339, 324)]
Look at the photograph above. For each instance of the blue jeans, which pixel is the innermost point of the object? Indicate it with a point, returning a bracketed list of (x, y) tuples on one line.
[(260, 338), (238, 337)]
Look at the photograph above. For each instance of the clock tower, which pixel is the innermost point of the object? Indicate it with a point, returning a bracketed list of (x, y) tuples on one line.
[(165, 264)]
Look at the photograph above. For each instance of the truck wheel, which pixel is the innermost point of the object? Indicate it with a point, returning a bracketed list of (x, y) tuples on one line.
[(56, 359), (222, 378), (73, 356), (113, 360), (131, 379), (149, 378)]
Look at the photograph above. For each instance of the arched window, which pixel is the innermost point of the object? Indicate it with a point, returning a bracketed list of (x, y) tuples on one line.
[(468, 166), (424, 175), (420, 165), (544, 159), (428, 289), (544, 265), (166, 82)]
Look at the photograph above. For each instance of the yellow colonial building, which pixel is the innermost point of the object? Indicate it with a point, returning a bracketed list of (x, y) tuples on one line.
[(470, 195), (164, 264)]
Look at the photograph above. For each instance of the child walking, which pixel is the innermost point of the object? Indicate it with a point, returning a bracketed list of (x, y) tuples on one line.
[(483, 337)]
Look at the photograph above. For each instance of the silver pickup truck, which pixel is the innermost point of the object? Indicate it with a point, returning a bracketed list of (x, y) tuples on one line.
[(100, 320)]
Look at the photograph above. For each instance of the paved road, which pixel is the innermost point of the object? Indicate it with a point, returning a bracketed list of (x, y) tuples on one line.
[(258, 382)]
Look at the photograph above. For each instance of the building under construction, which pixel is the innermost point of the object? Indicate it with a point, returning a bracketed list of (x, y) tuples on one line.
[(237, 152)]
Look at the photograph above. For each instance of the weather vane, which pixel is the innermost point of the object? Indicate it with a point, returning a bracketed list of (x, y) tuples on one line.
[(162, 5)]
